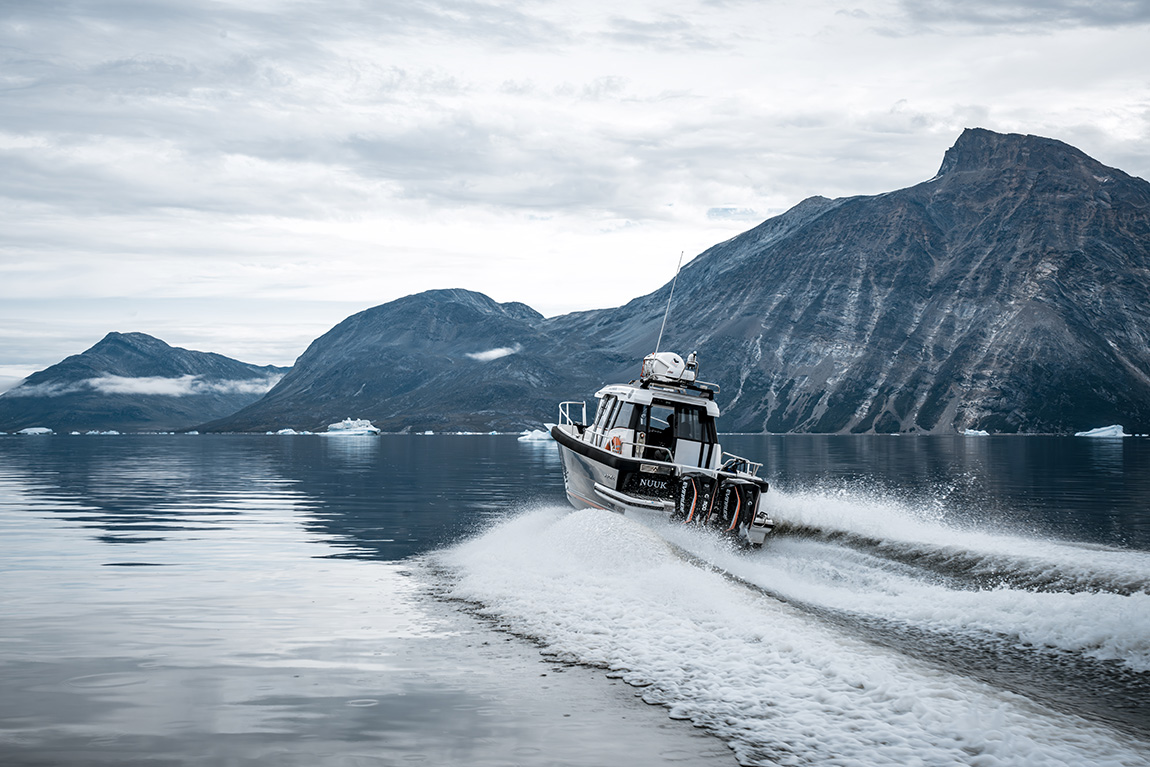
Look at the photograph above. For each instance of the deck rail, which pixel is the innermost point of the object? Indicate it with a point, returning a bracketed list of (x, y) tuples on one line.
[(565, 418), (739, 463)]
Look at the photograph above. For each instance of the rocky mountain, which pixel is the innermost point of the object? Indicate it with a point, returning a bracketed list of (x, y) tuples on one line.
[(1006, 293), (134, 382), (441, 360)]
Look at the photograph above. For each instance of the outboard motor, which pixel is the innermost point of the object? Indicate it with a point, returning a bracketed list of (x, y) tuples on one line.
[(728, 504), (735, 504), (693, 499)]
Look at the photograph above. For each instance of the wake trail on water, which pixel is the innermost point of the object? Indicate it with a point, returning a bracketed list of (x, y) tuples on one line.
[(1063, 623), (797, 653), (883, 559), (917, 533)]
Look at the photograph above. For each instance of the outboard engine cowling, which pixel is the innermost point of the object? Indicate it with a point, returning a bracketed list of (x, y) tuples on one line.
[(693, 499), (667, 367)]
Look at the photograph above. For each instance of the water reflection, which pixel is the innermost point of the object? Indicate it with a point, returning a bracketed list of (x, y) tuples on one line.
[(1106, 455), (389, 497), (284, 625), (362, 497), (264, 637), (356, 450)]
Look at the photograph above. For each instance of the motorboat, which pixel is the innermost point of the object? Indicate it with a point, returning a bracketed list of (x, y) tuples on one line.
[(653, 446)]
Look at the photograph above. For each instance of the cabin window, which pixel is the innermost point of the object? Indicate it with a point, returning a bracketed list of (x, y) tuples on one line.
[(694, 424), (656, 422), (660, 418), (624, 416), (664, 422)]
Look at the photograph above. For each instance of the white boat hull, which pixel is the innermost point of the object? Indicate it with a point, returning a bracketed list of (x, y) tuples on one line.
[(598, 478)]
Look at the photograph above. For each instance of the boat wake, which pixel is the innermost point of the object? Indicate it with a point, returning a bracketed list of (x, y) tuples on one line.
[(864, 633)]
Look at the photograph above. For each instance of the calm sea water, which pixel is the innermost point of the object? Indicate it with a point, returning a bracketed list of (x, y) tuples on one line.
[(402, 599)]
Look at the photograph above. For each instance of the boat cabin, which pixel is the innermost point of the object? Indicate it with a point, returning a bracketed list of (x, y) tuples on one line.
[(656, 424), (653, 446)]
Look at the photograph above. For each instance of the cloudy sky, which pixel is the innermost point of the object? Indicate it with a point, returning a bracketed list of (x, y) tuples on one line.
[(239, 176)]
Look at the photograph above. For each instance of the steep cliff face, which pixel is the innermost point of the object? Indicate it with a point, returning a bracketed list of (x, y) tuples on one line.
[(134, 382), (1007, 293)]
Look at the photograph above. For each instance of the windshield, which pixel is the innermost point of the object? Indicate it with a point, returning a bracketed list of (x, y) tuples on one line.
[(665, 422)]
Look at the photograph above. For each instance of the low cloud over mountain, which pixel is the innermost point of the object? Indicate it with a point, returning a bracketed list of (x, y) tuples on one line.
[(132, 381)]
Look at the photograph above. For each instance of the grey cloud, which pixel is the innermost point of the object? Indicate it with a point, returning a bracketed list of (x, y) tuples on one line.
[(667, 32), (168, 78), (304, 29), (182, 386), (195, 83), (42, 390), (604, 88), (1028, 14), (67, 67), (494, 354), (467, 160), (149, 72), (732, 214), (172, 76), (470, 162), (89, 188)]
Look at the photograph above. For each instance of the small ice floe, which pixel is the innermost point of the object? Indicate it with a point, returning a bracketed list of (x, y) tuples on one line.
[(351, 427), (36, 430), (975, 433), (1114, 432), (289, 432), (537, 435)]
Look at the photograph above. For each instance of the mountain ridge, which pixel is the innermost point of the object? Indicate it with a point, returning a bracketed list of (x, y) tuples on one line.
[(136, 382), (1006, 293), (1001, 294)]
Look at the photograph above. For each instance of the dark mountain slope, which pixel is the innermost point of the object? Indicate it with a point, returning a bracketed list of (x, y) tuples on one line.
[(1009, 292), (134, 382), (417, 362)]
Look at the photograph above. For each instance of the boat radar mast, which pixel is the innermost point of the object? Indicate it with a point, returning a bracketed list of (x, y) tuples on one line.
[(669, 297)]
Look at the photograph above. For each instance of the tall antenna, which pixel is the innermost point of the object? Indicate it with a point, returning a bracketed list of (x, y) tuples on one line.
[(668, 309)]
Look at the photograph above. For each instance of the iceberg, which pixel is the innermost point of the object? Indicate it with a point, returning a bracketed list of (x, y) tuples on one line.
[(1114, 432), (975, 433), (289, 432), (537, 435), (351, 427), (36, 430)]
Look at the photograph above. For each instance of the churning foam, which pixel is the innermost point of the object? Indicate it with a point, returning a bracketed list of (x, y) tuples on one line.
[(1086, 599), (775, 683)]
